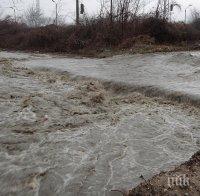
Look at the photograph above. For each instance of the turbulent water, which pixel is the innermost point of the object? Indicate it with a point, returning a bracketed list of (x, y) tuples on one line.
[(66, 136), (168, 74)]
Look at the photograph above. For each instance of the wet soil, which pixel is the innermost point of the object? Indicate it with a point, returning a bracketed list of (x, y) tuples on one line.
[(187, 184)]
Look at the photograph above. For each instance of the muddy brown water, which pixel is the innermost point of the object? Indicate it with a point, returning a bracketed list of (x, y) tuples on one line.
[(72, 137)]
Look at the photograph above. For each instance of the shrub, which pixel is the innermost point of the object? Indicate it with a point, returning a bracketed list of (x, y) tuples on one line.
[(95, 33)]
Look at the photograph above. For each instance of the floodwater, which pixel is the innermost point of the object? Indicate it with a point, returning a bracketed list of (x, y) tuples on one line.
[(76, 136), (167, 74)]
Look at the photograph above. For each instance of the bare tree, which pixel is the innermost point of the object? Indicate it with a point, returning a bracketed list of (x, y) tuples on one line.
[(165, 7), (35, 18), (104, 8), (125, 11), (59, 19), (196, 18), (195, 14)]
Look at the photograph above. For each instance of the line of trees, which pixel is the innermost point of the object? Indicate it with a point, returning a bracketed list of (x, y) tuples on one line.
[(31, 16), (121, 11), (123, 26)]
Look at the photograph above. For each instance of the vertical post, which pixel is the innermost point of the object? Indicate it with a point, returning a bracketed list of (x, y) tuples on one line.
[(165, 9), (56, 14), (111, 11), (168, 10), (186, 12), (185, 16), (38, 6), (15, 15), (77, 12)]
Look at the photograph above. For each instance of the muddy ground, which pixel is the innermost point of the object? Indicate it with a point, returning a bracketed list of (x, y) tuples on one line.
[(186, 184), (65, 136)]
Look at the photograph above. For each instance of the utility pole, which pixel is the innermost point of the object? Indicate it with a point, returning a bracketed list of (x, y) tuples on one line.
[(56, 20), (186, 13), (77, 12), (164, 9), (38, 6), (111, 11), (56, 14)]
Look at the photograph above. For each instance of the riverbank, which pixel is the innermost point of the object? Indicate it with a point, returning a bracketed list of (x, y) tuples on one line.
[(136, 49), (183, 180), (110, 52)]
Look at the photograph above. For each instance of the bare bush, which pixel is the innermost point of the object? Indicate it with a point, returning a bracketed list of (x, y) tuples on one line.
[(128, 29)]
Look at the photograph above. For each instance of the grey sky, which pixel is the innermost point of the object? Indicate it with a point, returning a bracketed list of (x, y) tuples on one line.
[(67, 7)]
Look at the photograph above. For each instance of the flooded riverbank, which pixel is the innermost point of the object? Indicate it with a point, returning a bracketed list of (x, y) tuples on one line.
[(73, 136)]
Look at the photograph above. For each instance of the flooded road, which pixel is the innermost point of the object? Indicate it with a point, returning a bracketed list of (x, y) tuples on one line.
[(66, 136)]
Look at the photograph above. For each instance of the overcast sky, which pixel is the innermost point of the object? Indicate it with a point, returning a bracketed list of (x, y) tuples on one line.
[(67, 7)]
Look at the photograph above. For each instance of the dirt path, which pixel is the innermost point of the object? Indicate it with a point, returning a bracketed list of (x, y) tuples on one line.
[(64, 136)]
